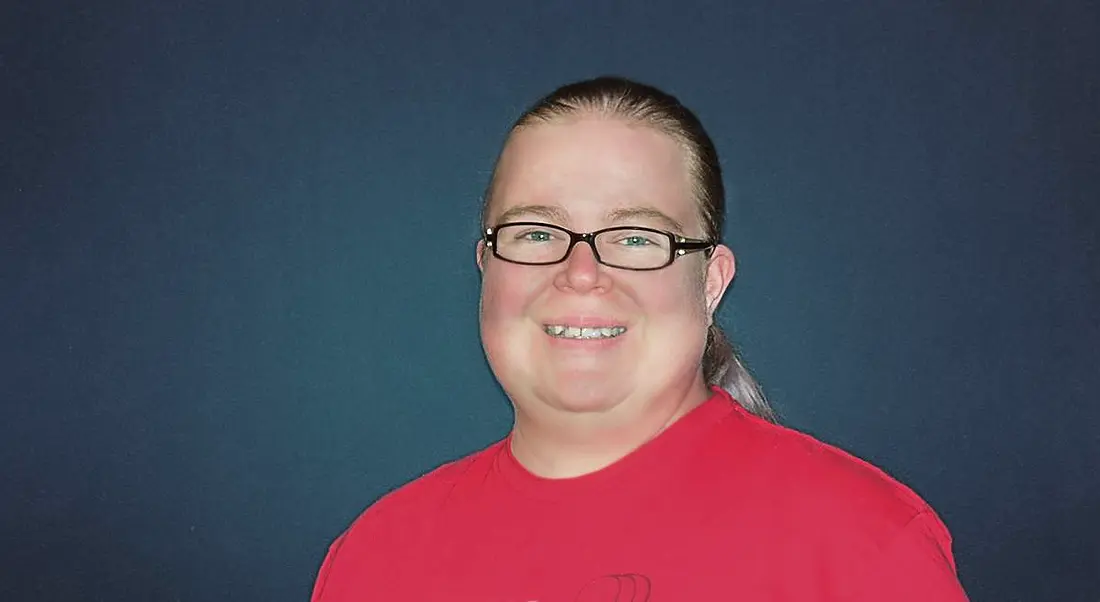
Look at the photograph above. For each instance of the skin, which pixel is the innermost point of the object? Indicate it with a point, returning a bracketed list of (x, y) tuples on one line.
[(582, 405)]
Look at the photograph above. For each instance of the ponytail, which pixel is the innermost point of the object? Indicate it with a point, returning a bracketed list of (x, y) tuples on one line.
[(723, 368)]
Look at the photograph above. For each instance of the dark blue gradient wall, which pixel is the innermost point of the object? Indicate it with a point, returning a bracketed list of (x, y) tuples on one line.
[(238, 292)]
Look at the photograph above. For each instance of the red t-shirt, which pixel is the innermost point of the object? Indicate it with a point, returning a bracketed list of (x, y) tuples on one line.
[(720, 506)]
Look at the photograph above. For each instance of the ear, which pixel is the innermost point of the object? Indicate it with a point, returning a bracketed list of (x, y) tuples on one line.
[(480, 254), (721, 267)]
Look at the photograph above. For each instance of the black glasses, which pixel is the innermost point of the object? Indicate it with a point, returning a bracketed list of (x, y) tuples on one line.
[(624, 247)]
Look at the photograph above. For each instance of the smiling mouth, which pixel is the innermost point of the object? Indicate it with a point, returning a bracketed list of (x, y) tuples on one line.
[(576, 332)]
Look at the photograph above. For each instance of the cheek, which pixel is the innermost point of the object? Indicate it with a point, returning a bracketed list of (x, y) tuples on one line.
[(504, 298), (676, 328), (505, 335), (678, 300)]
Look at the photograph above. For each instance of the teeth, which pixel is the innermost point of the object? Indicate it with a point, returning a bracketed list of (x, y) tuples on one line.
[(575, 332)]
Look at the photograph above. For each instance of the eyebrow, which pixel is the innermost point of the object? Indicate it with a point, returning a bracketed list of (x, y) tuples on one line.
[(545, 211), (645, 213), (624, 214)]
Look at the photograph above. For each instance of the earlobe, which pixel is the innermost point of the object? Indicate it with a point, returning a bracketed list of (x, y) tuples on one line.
[(480, 250)]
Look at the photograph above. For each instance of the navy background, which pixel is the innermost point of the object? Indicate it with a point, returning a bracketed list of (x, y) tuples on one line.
[(238, 290)]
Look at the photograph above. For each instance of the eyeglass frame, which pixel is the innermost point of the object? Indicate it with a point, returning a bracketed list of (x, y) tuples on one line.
[(679, 246)]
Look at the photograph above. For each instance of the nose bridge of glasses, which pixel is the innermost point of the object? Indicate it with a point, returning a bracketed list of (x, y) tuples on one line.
[(585, 237)]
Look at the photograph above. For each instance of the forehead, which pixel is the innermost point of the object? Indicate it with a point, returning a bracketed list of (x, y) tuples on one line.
[(593, 167)]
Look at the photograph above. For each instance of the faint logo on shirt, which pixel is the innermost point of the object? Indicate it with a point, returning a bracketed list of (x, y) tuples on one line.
[(629, 587)]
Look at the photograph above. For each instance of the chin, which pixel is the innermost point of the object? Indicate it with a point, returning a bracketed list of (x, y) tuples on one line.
[(584, 397)]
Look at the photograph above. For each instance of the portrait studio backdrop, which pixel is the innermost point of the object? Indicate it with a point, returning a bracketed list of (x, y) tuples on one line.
[(238, 292)]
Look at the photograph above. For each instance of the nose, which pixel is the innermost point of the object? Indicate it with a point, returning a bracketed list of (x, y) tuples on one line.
[(581, 272)]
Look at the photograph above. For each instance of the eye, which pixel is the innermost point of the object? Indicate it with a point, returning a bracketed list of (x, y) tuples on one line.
[(635, 240), (535, 236)]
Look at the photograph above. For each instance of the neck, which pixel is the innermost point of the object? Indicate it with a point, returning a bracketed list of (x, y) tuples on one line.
[(558, 444)]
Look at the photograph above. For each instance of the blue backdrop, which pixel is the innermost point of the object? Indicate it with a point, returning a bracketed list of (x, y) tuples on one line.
[(238, 291)]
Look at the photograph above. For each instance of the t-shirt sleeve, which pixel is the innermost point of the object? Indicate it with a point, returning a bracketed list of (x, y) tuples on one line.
[(916, 566)]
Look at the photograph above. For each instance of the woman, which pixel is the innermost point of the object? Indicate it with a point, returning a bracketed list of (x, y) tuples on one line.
[(644, 463)]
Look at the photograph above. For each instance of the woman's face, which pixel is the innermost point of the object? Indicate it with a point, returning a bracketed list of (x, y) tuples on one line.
[(585, 173)]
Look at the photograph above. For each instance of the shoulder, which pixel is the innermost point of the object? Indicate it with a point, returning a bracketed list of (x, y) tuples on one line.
[(820, 486), (428, 491), (409, 511), (807, 499), (376, 546)]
